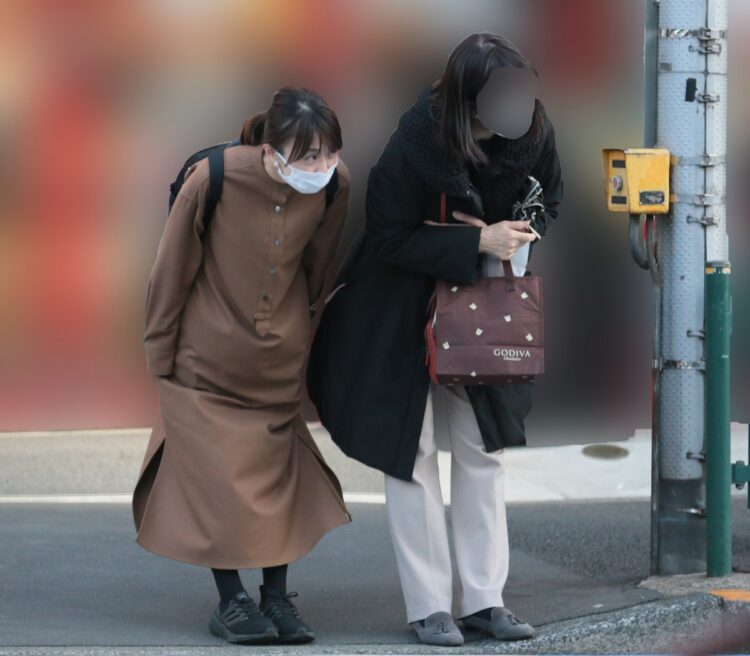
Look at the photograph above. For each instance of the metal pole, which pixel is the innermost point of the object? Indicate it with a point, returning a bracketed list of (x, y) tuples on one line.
[(650, 67), (690, 122), (718, 456), (719, 319)]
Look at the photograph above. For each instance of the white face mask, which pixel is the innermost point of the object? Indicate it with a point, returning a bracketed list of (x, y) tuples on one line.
[(306, 182)]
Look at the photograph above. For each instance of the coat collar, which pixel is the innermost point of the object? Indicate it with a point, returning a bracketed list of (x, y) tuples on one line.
[(445, 172)]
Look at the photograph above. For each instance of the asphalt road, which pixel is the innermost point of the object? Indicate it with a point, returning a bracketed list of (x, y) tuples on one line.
[(73, 575)]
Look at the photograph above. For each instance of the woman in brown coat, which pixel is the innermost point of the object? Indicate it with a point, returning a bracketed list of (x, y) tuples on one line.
[(232, 478)]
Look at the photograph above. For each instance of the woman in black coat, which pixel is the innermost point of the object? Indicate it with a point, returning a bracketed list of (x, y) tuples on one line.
[(367, 374)]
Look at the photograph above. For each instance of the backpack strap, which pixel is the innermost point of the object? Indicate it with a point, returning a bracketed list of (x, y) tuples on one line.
[(215, 179), (215, 183), (215, 155), (175, 187)]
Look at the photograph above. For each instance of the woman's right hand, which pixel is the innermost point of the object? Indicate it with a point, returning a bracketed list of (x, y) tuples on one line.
[(501, 239)]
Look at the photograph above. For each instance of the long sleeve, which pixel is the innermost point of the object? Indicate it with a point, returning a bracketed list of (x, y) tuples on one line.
[(319, 254), (547, 171), (178, 259), (395, 224)]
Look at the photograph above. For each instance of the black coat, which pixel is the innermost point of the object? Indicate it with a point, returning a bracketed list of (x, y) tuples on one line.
[(366, 374)]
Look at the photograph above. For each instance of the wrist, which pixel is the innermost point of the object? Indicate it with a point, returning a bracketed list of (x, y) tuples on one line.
[(483, 240)]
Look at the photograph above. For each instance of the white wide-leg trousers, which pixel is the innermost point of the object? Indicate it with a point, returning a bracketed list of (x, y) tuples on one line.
[(416, 514)]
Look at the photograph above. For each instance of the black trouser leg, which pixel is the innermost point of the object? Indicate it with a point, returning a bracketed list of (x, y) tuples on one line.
[(274, 578), (229, 584)]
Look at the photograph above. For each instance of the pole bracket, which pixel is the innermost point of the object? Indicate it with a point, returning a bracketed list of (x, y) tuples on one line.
[(700, 456), (707, 48), (704, 159), (707, 97), (700, 333), (710, 199), (702, 33), (710, 39), (740, 474), (711, 34), (702, 200), (703, 220), (682, 364)]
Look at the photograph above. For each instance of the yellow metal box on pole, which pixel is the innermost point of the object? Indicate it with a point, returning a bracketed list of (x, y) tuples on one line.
[(636, 180)]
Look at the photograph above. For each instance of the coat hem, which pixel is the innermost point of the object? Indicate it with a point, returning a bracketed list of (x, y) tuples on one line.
[(345, 517), (329, 474), (244, 564)]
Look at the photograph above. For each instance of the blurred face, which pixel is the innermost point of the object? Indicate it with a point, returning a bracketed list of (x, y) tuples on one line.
[(505, 105)]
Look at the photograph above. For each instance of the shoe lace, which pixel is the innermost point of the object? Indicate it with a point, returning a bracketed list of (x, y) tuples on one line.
[(239, 610), (280, 605)]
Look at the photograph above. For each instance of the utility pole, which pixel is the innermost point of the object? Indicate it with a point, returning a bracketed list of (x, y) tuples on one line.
[(685, 67)]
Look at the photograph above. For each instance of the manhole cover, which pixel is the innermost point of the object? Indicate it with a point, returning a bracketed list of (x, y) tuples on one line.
[(605, 451)]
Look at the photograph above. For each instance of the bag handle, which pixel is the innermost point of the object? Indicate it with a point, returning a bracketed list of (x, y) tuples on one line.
[(510, 280), (433, 296)]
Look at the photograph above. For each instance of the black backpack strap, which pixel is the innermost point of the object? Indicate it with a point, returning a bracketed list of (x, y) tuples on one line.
[(332, 187), (215, 156), (215, 183), (175, 187), (215, 179)]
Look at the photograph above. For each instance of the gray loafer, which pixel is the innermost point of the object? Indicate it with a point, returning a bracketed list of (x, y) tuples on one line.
[(503, 625), (438, 629)]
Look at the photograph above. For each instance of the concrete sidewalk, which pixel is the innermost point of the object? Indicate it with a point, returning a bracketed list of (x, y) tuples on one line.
[(106, 463), (72, 575)]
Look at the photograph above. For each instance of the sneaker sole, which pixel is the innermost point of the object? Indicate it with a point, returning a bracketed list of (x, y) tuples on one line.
[(219, 630), (299, 637)]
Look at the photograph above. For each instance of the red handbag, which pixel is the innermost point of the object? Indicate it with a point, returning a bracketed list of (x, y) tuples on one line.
[(489, 332)]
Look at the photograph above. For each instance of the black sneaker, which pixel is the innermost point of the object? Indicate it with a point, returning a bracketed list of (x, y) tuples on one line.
[(282, 612), (242, 622)]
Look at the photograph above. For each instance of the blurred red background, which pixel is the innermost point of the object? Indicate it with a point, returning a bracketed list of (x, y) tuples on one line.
[(101, 102)]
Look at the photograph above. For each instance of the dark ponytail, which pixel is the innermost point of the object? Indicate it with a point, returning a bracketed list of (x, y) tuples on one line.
[(295, 114), (252, 129)]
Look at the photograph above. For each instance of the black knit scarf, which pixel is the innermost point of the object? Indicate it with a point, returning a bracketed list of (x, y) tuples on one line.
[(499, 183)]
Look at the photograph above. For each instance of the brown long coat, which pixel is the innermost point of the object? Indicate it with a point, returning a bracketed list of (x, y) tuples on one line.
[(231, 477)]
